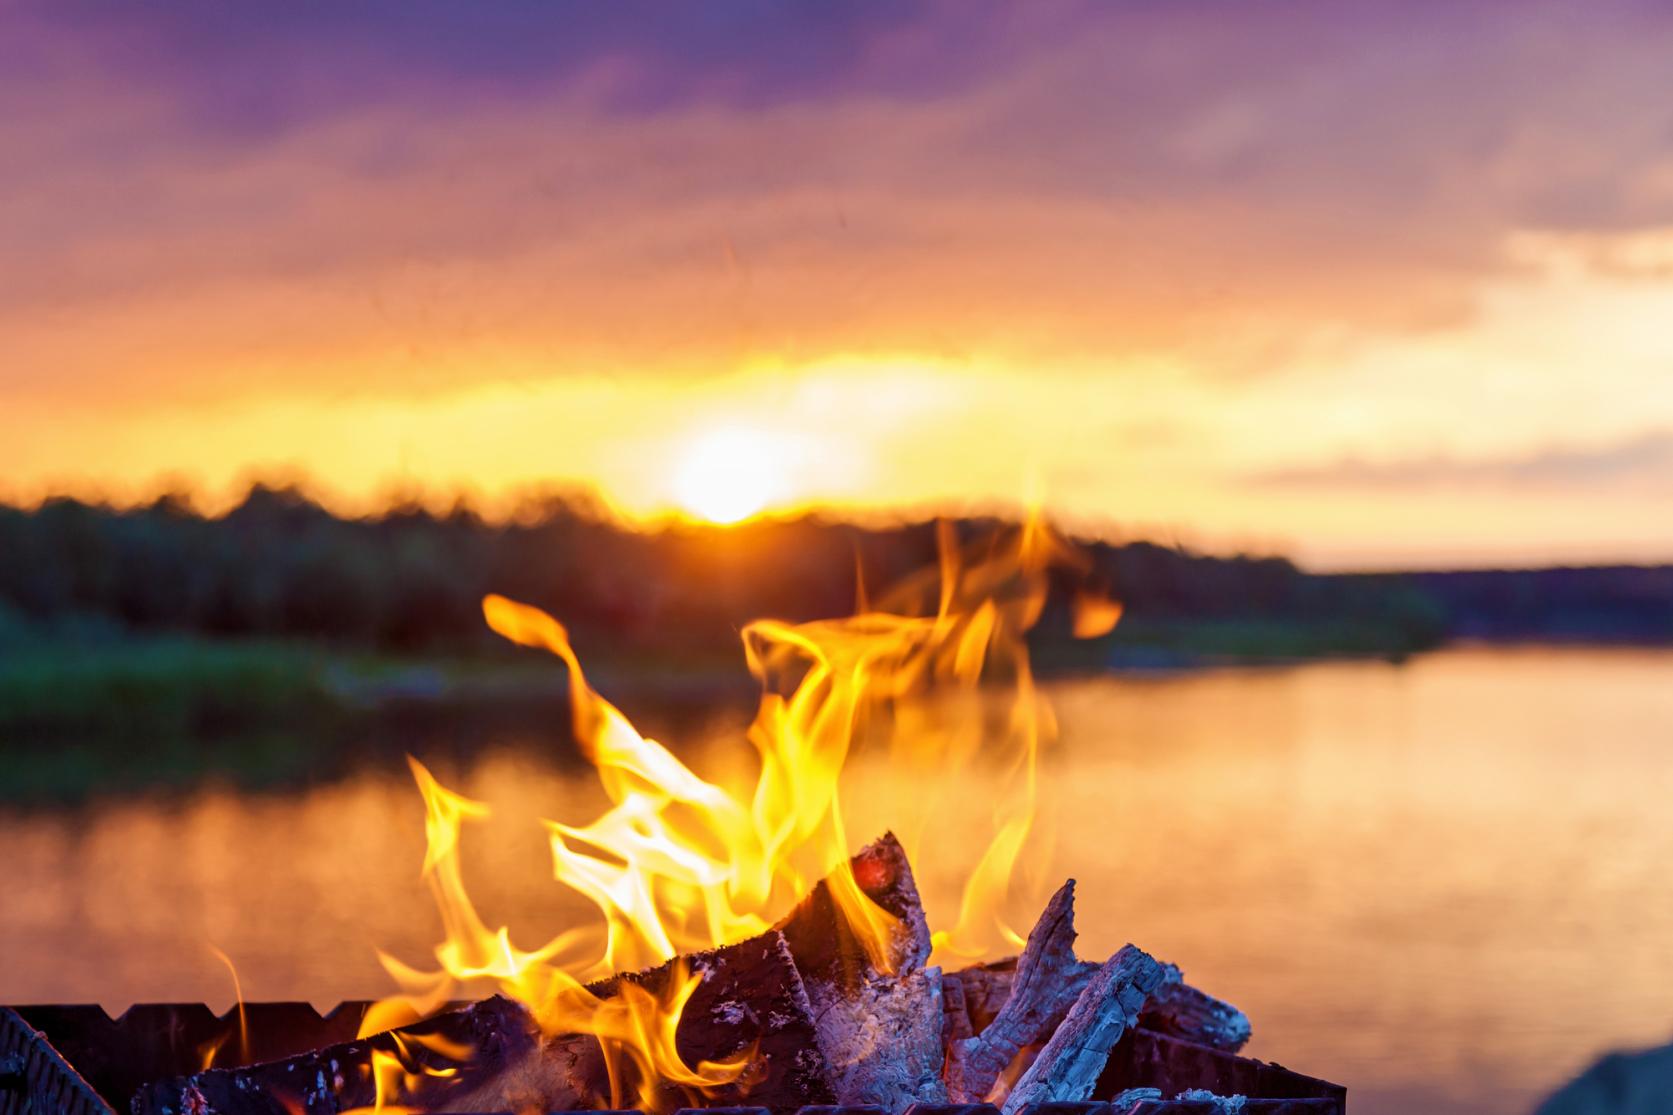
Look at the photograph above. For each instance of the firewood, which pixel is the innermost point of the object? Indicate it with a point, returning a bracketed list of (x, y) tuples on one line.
[(826, 947), (1144, 1058), (882, 1041), (1041, 993), (751, 997), (1180, 1010), (1069, 1065), (500, 1033), (806, 996), (878, 1025), (1176, 1009), (987, 986), (955, 1010)]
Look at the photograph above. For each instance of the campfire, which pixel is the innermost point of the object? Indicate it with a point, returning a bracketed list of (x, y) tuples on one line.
[(744, 956)]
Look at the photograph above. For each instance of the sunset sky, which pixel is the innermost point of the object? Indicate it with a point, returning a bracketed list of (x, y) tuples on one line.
[(1370, 284)]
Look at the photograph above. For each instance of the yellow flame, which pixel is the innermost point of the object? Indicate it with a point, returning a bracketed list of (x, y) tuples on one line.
[(677, 863)]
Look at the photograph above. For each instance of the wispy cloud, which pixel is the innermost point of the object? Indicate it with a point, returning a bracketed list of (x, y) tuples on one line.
[(640, 187), (1635, 464), (325, 234)]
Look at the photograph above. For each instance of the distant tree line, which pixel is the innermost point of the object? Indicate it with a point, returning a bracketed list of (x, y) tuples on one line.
[(1591, 604), (409, 580)]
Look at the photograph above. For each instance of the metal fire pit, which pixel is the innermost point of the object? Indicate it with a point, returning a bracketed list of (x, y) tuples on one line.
[(77, 1060)]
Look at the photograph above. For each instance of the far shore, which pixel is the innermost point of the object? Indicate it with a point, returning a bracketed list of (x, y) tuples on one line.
[(79, 721)]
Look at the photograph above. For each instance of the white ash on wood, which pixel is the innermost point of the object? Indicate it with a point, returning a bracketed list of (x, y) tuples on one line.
[(878, 1025), (1040, 995), (986, 991), (1073, 1059)]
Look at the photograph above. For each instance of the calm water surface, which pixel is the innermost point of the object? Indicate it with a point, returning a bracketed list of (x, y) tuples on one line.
[(1448, 885)]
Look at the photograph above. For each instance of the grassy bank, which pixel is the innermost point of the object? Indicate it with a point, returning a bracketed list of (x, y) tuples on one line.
[(144, 688)]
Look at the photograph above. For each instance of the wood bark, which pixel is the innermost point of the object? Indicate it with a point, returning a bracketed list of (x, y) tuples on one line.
[(827, 949), (878, 1026), (1176, 1009), (1041, 992), (1068, 1067), (955, 1010), (987, 986), (1180, 1010), (882, 1041), (500, 1033), (805, 997), (750, 997)]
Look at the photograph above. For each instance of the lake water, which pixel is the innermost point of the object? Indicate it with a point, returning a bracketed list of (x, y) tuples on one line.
[(1448, 884)]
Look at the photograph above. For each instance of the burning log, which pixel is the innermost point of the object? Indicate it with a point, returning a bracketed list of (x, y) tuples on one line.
[(750, 998), (1069, 1065), (883, 1042), (826, 1010), (823, 1020), (1042, 990), (829, 951), (499, 1033), (877, 1011)]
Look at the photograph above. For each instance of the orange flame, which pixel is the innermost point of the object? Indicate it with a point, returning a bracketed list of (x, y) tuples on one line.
[(1095, 615), (212, 1048), (678, 863)]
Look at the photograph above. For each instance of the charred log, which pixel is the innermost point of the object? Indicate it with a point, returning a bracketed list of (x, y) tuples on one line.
[(829, 952), (955, 1010), (1176, 1009), (499, 1033), (1042, 990), (878, 1018), (883, 1041), (987, 986), (1071, 1062), (1180, 1010), (750, 998)]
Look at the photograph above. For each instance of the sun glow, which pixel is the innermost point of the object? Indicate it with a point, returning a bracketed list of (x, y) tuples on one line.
[(727, 475)]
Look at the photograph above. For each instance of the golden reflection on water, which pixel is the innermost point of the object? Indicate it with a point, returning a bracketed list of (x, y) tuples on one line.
[(1445, 884)]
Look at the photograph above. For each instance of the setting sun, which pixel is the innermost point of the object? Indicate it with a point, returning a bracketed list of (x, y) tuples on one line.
[(727, 475)]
